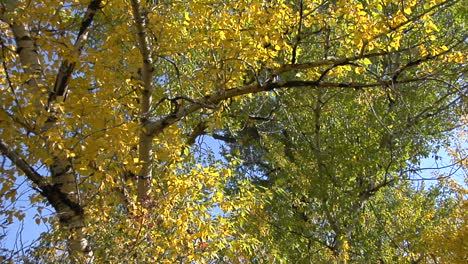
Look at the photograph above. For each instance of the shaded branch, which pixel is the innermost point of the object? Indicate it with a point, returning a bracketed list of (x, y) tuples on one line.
[(29, 171), (66, 68), (224, 138), (197, 131), (56, 198), (298, 38), (414, 63), (155, 127)]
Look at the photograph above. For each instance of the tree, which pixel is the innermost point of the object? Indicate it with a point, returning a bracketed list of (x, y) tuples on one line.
[(102, 102), (446, 242)]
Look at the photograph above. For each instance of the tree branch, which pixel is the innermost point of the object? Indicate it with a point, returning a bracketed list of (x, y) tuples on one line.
[(66, 68), (29, 171), (197, 131), (224, 138), (155, 127), (298, 37), (328, 62), (54, 195)]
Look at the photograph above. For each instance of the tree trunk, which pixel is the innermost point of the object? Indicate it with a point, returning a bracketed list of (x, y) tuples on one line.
[(62, 194), (145, 144), (71, 213)]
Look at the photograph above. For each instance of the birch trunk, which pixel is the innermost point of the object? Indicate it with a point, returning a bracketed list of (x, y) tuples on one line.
[(146, 140), (71, 215), (71, 219), (62, 193)]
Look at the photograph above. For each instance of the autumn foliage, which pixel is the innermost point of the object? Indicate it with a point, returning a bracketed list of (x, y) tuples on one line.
[(284, 131)]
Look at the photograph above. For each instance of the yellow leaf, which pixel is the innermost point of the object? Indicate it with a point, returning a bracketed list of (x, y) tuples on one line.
[(407, 11), (186, 16), (362, 13), (186, 151), (222, 36), (347, 67), (431, 27), (366, 61)]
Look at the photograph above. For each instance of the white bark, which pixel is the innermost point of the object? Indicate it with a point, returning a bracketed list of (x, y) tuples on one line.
[(63, 192), (146, 140), (71, 217), (62, 198)]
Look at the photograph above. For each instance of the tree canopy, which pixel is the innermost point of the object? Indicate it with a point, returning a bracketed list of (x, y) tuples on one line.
[(324, 110)]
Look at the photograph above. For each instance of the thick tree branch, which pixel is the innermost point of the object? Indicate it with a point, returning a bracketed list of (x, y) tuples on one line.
[(66, 68), (224, 138), (62, 193), (155, 127), (51, 192), (29, 171), (144, 51), (197, 131)]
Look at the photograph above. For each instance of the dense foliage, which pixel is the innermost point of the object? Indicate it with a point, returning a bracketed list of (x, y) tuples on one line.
[(324, 110)]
